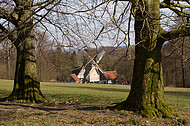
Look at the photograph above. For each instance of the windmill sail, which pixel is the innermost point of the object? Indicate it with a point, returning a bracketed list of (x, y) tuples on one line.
[(100, 55)]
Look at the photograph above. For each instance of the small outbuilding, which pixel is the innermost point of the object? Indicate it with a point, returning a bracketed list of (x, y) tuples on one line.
[(111, 77)]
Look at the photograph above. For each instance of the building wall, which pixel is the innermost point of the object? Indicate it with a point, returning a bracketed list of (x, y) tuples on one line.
[(94, 76)]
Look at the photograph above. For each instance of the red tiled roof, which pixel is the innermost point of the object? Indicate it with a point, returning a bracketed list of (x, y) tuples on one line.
[(75, 77), (111, 75)]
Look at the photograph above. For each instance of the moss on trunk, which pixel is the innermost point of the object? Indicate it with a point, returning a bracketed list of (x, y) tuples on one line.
[(26, 84)]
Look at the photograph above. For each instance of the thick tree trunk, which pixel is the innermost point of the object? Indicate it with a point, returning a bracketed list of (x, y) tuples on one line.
[(26, 84), (146, 95)]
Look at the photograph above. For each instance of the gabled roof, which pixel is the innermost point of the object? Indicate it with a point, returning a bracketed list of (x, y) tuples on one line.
[(93, 67), (75, 77), (111, 75)]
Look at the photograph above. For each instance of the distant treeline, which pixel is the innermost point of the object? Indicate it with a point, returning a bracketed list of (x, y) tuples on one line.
[(56, 64)]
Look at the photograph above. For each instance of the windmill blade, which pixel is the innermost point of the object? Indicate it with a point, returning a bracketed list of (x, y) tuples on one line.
[(95, 63), (91, 59), (100, 55)]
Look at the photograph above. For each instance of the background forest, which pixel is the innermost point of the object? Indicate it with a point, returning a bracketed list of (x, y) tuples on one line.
[(57, 63)]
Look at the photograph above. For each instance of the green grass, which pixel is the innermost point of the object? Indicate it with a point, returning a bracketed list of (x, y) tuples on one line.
[(6, 87), (90, 95), (85, 93), (178, 98)]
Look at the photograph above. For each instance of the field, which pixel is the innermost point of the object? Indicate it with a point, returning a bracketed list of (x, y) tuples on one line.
[(84, 104)]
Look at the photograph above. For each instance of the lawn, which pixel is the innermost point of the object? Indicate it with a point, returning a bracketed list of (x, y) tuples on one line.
[(84, 104)]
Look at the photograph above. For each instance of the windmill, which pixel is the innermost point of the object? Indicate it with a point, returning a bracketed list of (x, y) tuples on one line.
[(91, 72)]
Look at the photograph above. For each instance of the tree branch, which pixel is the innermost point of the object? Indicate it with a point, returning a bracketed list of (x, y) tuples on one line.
[(172, 6), (183, 31), (9, 34), (8, 15), (17, 2), (40, 3)]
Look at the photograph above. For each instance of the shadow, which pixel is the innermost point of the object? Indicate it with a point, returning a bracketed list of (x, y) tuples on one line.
[(44, 108), (54, 109), (178, 94), (96, 88), (91, 108), (4, 99)]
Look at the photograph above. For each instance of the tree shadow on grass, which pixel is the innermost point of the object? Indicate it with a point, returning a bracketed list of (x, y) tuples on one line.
[(96, 88), (91, 108), (44, 108), (54, 109), (178, 94)]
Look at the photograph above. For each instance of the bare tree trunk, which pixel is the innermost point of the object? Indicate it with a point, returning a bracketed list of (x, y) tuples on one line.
[(7, 59), (176, 75), (26, 84), (183, 63), (146, 95)]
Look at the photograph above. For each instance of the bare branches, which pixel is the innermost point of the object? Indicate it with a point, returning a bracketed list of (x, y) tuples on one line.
[(14, 19), (39, 4), (7, 11), (91, 22), (184, 31), (175, 7), (9, 34)]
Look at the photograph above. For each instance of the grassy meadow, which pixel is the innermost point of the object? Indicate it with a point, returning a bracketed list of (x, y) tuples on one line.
[(84, 104)]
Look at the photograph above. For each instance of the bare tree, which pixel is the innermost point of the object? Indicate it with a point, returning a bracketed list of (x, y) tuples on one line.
[(146, 96), (19, 13)]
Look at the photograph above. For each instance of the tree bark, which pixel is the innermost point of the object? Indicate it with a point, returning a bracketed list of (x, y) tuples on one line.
[(26, 83), (183, 63), (146, 96)]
